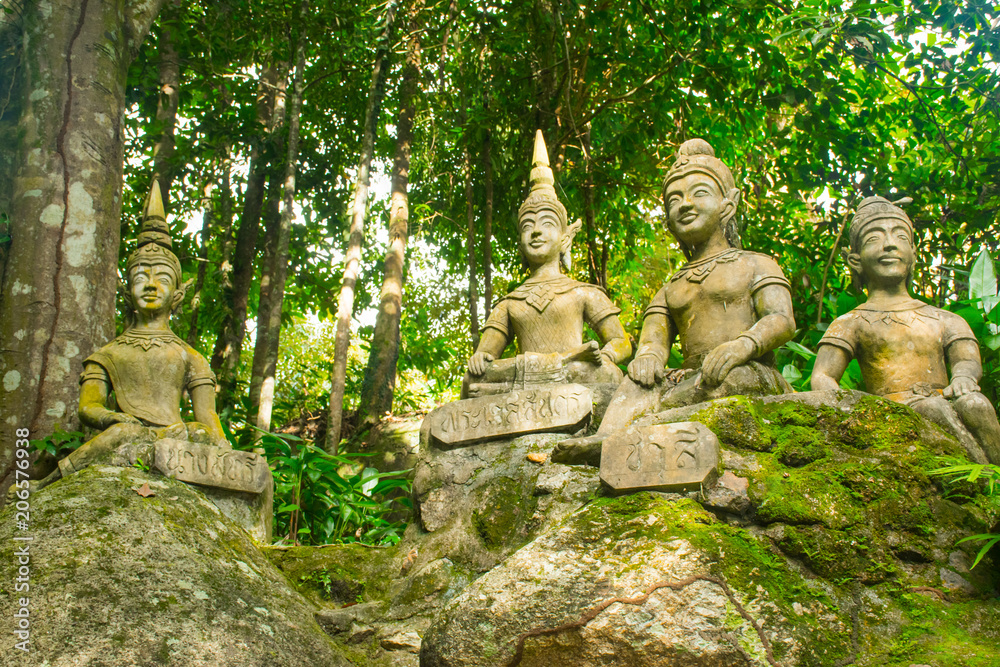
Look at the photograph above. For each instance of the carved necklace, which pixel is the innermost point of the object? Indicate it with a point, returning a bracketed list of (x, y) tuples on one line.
[(540, 294), (147, 339), (696, 272)]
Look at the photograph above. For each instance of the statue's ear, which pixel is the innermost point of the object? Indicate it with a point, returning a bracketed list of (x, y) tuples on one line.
[(566, 244), (854, 261), (733, 197)]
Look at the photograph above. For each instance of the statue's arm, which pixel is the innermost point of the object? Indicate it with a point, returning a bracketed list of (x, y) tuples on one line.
[(774, 327), (649, 365), (491, 346), (92, 407), (614, 340), (831, 362), (966, 368), (203, 406)]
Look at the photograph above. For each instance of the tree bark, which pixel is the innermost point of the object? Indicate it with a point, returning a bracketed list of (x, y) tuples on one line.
[(166, 105), (380, 375), (199, 285), (593, 271), (470, 251), (352, 260), (279, 270), (229, 345), (272, 225), (488, 224), (57, 298)]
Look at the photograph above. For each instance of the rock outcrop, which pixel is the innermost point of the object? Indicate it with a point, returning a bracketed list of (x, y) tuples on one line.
[(118, 578)]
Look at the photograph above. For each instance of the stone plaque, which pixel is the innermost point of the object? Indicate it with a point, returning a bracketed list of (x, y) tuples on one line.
[(662, 457), (212, 466), (563, 407)]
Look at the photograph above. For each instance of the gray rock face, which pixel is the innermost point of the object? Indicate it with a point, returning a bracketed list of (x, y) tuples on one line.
[(121, 579)]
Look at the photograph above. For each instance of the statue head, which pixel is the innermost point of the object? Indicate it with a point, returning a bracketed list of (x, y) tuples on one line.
[(700, 196), (153, 271), (542, 222), (881, 237)]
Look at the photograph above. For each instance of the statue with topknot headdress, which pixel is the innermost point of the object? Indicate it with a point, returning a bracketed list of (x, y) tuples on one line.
[(545, 314), (905, 347), (728, 307), (131, 389)]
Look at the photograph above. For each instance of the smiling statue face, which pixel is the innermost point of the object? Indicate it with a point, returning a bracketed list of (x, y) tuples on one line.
[(153, 287), (695, 208), (541, 236), (885, 254)]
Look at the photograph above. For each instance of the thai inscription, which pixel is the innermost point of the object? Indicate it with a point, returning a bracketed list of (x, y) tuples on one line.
[(212, 466), (554, 408), (662, 457)]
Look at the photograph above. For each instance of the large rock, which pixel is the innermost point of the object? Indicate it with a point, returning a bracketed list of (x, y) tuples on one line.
[(827, 544), (117, 578)]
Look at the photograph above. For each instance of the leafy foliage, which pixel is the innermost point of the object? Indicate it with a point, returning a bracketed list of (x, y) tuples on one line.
[(324, 499), (989, 477)]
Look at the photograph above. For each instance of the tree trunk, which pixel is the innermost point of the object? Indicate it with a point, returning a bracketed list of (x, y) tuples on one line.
[(488, 224), (57, 298), (380, 374), (229, 345), (206, 234), (272, 225), (166, 105), (593, 271), (352, 260), (279, 270), (470, 251)]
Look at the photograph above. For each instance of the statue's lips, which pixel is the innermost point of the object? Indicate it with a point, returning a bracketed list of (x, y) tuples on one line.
[(889, 259)]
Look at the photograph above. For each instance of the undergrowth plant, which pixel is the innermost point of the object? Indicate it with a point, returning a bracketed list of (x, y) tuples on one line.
[(988, 476), (321, 498)]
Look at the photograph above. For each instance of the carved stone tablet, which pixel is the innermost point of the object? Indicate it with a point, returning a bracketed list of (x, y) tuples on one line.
[(212, 466), (662, 457), (564, 407)]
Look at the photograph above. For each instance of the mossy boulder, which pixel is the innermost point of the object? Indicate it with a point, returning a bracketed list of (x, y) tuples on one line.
[(117, 578), (845, 552)]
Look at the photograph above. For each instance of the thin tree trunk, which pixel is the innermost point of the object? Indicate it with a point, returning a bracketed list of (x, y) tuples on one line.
[(588, 214), (352, 260), (488, 224), (470, 251), (57, 292), (272, 217), (166, 104), (279, 271), (229, 345), (380, 374), (206, 234)]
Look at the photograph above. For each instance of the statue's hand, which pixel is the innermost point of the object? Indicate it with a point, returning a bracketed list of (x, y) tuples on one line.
[(646, 370), (478, 361), (589, 352), (960, 386), (725, 358)]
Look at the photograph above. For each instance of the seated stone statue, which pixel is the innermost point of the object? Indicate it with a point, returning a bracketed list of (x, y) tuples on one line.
[(148, 367), (546, 314), (903, 346), (730, 308)]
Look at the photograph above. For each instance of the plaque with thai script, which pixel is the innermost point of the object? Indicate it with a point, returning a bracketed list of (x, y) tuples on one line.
[(553, 408), (662, 457), (212, 466)]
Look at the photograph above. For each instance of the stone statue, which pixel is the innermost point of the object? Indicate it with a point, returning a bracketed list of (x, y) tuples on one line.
[(148, 367), (729, 308), (904, 346), (547, 312)]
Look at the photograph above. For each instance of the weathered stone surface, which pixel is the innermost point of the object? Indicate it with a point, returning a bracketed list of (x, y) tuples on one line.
[(212, 466), (728, 494), (119, 579), (552, 408), (683, 456)]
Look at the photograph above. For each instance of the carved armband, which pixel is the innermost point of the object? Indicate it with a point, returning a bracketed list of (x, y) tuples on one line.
[(756, 343)]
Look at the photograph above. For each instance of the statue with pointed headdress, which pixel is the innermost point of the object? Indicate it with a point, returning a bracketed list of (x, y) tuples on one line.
[(545, 315), (131, 388), (906, 347), (728, 307)]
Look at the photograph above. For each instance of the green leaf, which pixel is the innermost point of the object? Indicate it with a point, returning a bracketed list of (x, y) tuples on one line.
[(983, 280)]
